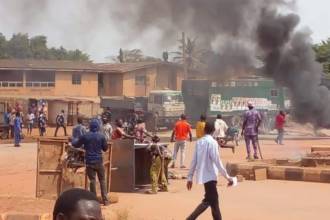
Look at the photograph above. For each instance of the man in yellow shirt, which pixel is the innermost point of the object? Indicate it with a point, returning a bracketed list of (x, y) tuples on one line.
[(200, 126)]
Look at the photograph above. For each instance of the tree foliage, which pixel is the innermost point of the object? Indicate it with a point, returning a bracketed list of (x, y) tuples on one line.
[(132, 56), (322, 51), (194, 55), (20, 46)]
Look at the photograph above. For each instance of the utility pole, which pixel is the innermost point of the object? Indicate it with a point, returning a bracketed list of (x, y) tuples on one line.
[(184, 56)]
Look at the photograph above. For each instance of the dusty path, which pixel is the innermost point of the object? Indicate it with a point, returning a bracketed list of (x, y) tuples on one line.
[(250, 200)]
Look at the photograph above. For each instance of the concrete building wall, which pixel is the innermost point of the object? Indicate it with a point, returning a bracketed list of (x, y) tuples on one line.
[(129, 84), (112, 85), (63, 87), (87, 88)]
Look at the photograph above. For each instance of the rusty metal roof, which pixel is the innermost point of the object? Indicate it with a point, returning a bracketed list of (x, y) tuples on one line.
[(61, 65), (128, 67)]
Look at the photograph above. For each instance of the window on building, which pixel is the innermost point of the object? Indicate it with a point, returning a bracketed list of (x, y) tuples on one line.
[(76, 78), (274, 93), (158, 99), (100, 80), (140, 80)]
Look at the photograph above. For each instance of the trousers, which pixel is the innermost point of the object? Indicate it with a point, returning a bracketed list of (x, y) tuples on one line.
[(92, 170), (60, 126), (182, 146), (280, 136), (157, 175), (248, 140), (211, 199)]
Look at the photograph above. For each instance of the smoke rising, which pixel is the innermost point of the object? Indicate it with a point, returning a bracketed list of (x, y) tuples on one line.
[(290, 61), (235, 32)]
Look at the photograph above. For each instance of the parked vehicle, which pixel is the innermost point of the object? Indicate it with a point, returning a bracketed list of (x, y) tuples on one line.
[(230, 98), (160, 110)]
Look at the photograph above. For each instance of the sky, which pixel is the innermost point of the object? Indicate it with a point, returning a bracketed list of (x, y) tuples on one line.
[(68, 24)]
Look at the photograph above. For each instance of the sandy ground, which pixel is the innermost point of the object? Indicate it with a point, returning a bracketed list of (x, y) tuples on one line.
[(250, 200)]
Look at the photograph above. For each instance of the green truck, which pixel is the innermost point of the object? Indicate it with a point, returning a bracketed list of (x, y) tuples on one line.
[(230, 98)]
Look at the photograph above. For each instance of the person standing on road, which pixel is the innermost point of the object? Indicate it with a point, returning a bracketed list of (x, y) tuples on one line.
[(251, 123), (12, 122), (17, 129), (279, 123), (94, 142), (60, 122), (107, 114), (30, 122), (221, 127), (107, 129), (42, 123), (207, 164), (200, 126), (181, 131)]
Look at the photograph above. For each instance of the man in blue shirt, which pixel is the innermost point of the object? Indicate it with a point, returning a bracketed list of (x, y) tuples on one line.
[(94, 143)]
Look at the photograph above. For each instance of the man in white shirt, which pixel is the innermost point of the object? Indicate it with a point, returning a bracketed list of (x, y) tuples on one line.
[(207, 164), (221, 127)]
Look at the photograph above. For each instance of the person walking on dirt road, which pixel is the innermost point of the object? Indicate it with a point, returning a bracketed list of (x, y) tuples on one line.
[(221, 128), (94, 142), (207, 164), (279, 123), (200, 127), (251, 123), (181, 131), (18, 129), (60, 122)]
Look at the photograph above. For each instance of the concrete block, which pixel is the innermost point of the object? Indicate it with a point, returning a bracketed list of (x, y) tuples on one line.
[(240, 178), (325, 176), (276, 173), (320, 148), (260, 174), (312, 175), (295, 174), (25, 216)]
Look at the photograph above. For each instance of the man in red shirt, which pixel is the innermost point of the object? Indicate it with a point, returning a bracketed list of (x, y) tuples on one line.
[(279, 124), (180, 132)]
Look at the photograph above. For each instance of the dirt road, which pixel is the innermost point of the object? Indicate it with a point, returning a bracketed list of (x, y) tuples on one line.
[(250, 200)]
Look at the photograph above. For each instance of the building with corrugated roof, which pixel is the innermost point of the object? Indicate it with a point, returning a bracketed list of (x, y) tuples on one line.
[(76, 87)]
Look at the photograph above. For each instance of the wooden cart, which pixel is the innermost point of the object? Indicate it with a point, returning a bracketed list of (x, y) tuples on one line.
[(53, 177)]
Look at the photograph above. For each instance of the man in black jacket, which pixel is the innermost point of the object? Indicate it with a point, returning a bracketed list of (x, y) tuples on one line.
[(60, 122)]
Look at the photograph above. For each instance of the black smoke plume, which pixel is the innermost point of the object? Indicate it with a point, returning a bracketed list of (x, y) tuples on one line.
[(290, 61)]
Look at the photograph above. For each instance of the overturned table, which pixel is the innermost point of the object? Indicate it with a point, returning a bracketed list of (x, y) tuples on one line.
[(131, 166)]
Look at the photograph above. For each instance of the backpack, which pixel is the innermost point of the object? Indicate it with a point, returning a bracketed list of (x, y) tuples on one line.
[(60, 119)]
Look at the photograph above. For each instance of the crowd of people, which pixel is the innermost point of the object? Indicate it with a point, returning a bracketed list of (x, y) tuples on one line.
[(206, 162)]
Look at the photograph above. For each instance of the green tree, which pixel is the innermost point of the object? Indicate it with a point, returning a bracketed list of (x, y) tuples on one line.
[(322, 51), (193, 54), (3, 45), (38, 46), (165, 56), (19, 46), (132, 56), (76, 55)]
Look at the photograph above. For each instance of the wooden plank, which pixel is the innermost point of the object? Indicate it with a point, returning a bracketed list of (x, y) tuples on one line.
[(50, 155), (48, 186)]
